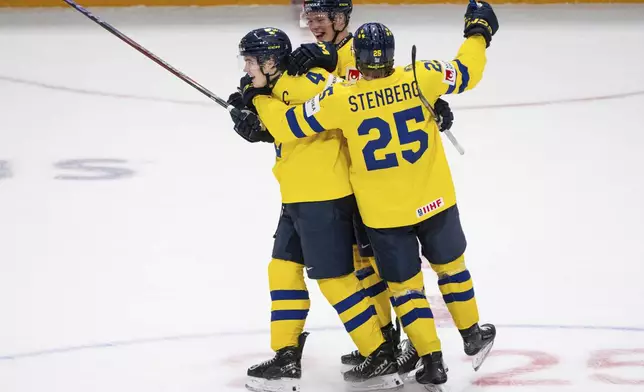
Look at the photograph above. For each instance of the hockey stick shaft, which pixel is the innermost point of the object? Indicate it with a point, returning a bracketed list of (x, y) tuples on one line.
[(150, 55), (429, 107)]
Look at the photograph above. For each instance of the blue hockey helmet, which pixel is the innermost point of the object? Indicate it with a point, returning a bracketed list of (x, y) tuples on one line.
[(329, 6), (373, 46), (267, 43)]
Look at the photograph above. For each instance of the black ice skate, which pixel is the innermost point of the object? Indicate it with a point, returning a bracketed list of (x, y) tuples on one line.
[(408, 361), (477, 342), (433, 374), (282, 373), (390, 334), (379, 371)]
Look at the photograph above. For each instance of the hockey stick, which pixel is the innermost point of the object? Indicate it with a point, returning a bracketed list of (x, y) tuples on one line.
[(153, 57), (429, 107)]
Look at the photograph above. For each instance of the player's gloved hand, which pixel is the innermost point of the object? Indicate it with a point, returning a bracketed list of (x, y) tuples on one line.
[(480, 19), (235, 99), (320, 54), (445, 115), (248, 92), (248, 126)]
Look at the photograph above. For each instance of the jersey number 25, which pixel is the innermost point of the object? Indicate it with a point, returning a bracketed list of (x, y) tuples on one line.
[(405, 136)]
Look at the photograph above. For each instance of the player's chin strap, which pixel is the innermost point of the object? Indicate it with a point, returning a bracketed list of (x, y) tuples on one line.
[(271, 82), (337, 32), (271, 79), (429, 107)]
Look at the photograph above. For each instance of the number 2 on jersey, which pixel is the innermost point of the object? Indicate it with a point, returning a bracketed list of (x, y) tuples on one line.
[(405, 136)]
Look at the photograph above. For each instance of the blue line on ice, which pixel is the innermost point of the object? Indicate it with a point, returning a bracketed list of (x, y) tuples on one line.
[(123, 343), (206, 103)]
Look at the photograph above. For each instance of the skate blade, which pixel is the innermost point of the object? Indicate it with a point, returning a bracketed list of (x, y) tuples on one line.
[(410, 376), (388, 382), (479, 358), (282, 385), (435, 388)]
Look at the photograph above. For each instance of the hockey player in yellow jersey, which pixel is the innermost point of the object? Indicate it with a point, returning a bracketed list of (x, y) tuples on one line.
[(328, 21), (400, 174), (315, 228)]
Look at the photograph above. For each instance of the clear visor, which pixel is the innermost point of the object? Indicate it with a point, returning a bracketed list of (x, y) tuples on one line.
[(317, 19), (248, 64)]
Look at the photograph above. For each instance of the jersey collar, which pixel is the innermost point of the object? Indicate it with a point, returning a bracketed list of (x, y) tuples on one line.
[(344, 41)]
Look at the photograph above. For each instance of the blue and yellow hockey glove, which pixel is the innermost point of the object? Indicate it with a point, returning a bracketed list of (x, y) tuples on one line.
[(480, 19), (307, 56)]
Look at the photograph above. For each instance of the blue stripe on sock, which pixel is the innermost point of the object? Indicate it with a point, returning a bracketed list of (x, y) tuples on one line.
[(360, 319), (349, 302), (461, 277), (459, 297), (282, 295), (406, 298), (279, 315), (364, 273), (416, 314), (376, 289)]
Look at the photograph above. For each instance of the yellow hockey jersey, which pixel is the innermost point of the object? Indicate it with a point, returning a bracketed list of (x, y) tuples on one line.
[(346, 68), (315, 168), (399, 171)]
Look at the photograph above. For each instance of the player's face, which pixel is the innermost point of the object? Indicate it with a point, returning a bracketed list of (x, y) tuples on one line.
[(253, 69), (320, 25), (257, 72)]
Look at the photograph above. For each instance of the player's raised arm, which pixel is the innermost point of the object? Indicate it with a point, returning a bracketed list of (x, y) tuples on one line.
[(466, 70), (287, 123)]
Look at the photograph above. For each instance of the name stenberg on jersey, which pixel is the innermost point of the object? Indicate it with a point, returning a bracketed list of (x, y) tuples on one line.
[(383, 97)]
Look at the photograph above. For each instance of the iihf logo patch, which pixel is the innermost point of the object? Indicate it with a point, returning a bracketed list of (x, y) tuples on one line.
[(429, 207)]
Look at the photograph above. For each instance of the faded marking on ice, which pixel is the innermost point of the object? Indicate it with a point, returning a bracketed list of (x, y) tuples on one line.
[(5, 170), (96, 169)]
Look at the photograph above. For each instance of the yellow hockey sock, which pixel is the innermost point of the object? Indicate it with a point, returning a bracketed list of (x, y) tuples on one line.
[(456, 285), (358, 261), (289, 302), (415, 314), (355, 310), (376, 288)]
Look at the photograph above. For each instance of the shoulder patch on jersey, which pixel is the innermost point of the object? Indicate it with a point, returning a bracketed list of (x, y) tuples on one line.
[(312, 106), (352, 75), (449, 73)]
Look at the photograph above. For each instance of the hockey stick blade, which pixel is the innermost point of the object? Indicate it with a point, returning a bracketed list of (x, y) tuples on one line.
[(152, 56)]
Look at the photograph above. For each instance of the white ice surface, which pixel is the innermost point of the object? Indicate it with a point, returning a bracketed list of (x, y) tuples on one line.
[(169, 265)]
